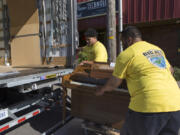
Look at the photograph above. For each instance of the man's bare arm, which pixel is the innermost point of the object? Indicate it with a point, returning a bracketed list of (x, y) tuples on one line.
[(112, 83), (171, 69)]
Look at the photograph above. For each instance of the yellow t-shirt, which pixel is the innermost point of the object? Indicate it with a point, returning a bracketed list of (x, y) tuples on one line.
[(151, 86), (96, 52)]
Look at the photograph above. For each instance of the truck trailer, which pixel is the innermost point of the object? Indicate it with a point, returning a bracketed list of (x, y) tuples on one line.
[(37, 48)]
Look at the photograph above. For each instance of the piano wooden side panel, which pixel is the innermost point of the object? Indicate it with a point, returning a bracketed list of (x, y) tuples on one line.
[(109, 109)]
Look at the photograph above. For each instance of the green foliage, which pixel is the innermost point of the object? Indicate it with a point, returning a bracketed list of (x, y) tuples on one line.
[(82, 56), (177, 73)]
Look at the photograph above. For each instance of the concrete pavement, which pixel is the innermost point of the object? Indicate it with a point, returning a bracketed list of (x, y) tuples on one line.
[(73, 127)]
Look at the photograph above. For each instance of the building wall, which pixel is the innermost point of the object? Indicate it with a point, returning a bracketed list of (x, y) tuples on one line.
[(159, 21), (167, 37), (139, 11)]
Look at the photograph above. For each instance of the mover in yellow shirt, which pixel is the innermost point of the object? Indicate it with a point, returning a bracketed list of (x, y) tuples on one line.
[(154, 107), (94, 51)]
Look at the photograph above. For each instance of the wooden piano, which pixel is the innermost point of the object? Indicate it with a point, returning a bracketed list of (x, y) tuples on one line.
[(109, 109)]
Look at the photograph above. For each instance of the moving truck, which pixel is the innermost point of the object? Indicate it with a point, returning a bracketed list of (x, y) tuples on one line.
[(37, 47)]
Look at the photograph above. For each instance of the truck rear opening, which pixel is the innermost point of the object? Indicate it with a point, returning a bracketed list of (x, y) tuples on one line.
[(37, 48)]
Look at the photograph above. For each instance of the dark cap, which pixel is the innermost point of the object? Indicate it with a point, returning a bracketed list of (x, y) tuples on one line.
[(91, 33)]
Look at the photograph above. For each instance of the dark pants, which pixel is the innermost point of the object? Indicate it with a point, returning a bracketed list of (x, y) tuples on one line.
[(166, 123)]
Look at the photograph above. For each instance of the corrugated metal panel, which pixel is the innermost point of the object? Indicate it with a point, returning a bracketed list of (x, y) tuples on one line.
[(135, 11), (138, 11)]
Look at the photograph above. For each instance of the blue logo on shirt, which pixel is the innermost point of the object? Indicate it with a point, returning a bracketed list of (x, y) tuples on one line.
[(158, 61), (156, 58)]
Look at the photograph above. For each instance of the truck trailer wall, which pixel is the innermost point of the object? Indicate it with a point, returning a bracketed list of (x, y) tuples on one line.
[(24, 30), (2, 42), (58, 25), (42, 32)]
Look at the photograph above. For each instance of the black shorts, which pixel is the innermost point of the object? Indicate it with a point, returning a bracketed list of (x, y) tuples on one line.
[(166, 123)]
